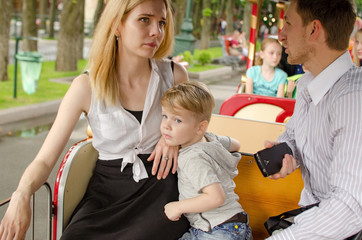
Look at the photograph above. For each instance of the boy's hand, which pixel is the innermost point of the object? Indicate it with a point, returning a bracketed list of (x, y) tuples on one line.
[(172, 211)]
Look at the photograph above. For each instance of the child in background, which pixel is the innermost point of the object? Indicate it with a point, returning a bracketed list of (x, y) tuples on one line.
[(265, 78), (206, 167), (357, 48)]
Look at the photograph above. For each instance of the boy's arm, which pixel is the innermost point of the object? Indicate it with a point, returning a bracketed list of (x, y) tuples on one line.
[(234, 145), (212, 196)]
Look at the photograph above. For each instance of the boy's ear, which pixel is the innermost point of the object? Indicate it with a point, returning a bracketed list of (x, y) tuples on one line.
[(202, 127)]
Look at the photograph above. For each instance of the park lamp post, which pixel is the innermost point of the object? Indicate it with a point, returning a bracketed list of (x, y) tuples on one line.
[(185, 41)]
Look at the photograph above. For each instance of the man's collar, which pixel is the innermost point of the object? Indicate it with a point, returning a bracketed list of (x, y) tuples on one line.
[(325, 80)]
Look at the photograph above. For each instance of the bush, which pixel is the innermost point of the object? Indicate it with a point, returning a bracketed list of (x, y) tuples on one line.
[(187, 56), (204, 57)]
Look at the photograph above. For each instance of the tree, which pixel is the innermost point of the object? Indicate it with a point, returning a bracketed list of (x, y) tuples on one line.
[(29, 25), (70, 23), (97, 13), (206, 23), (81, 29), (43, 13), (6, 7), (179, 13), (196, 16), (229, 16), (53, 8)]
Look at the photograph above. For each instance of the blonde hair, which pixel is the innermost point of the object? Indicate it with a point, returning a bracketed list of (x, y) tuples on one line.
[(356, 60), (193, 96), (103, 61), (263, 45)]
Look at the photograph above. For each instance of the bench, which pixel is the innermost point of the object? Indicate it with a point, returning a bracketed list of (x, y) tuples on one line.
[(259, 196)]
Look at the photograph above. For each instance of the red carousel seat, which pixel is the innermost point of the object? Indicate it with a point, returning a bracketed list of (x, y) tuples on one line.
[(71, 182), (258, 107)]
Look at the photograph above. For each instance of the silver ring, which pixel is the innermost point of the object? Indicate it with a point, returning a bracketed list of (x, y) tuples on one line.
[(166, 158)]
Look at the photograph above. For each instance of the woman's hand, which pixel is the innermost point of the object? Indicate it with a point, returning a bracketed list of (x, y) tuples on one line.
[(16, 220), (163, 156)]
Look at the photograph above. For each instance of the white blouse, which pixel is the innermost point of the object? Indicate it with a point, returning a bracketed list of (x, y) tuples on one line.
[(118, 134)]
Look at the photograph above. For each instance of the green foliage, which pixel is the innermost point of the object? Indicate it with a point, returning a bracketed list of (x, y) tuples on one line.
[(204, 57), (216, 52), (207, 12), (187, 56), (46, 90), (199, 68)]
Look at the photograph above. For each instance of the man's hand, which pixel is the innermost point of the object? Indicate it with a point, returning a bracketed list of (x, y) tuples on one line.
[(289, 163)]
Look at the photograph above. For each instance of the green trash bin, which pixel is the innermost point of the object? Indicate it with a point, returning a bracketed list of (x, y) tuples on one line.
[(30, 67)]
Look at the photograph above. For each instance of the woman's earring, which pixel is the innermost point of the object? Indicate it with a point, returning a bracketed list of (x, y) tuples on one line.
[(117, 38)]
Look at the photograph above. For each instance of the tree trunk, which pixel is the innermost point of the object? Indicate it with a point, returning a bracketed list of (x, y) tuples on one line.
[(220, 16), (247, 20), (80, 28), (229, 17), (97, 13), (29, 25), (214, 20), (179, 7), (205, 29), (6, 7), (53, 8), (43, 13), (196, 16), (67, 50)]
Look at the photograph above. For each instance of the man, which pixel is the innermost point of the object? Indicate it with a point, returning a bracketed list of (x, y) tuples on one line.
[(325, 131)]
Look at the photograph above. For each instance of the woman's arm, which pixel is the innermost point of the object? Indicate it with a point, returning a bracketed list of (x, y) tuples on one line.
[(17, 217), (180, 74), (212, 196), (290, 88), (162, 150), (249, 85), (280, 92)]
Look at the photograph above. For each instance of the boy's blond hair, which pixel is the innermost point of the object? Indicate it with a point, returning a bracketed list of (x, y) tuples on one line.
[(193, 96)]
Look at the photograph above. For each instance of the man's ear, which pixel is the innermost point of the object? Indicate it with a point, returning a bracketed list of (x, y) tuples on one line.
[(202, 127), (315, 29)]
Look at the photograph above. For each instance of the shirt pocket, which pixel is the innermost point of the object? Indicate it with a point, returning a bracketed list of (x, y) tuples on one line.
[(112, 125)]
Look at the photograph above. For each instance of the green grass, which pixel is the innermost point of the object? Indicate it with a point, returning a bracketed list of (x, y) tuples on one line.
[(46, 90), (199, 68)]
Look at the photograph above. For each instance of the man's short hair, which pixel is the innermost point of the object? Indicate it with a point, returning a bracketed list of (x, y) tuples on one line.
[(337, 18)]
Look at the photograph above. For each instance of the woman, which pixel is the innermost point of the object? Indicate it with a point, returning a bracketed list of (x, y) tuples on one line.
[(357, 49), (121, 99)]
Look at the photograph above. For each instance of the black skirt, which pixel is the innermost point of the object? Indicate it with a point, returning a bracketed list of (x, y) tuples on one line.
[(116, 207)]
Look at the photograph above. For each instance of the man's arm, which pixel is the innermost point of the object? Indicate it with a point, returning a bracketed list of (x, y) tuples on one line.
[(339, 214)]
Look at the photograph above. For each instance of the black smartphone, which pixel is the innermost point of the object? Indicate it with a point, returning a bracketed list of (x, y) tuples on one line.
[(270, 160)]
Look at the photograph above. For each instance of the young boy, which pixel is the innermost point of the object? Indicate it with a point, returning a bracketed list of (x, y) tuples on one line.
[(206, 167)]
